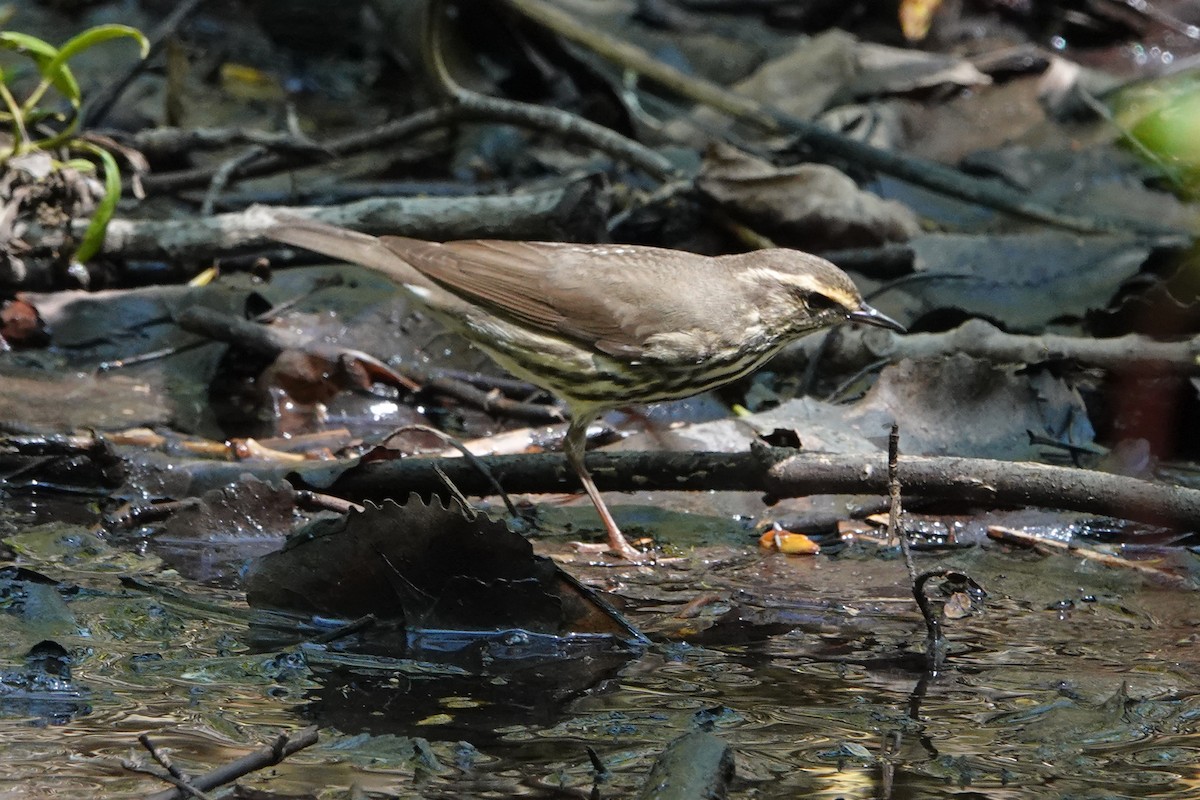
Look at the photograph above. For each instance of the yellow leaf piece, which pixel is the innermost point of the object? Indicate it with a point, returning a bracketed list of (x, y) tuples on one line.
[(916, 16), (437, 719), (249, 83)]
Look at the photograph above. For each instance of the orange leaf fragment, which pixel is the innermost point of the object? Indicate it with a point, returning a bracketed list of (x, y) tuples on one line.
[(793, 544)]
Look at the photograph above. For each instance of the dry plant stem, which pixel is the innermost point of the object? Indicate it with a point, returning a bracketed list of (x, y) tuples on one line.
[(316, 501), (541, 215), (489, 401), (1044, 545), (546, 118), (164, 142), (895, 509), (284, 746), (471, 459), (929, 174), (354, 626), (481, 108), (224, 175), (983, 340), (935, 640), (781, 472)]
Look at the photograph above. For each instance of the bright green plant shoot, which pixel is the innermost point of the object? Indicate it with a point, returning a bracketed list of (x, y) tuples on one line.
[(22, 115)]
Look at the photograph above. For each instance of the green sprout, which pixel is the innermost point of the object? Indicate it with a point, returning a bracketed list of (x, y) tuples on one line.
[(1161, 121), (22, 116)]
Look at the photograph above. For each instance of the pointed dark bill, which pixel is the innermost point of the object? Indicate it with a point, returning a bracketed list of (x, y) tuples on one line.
[(870, 316)]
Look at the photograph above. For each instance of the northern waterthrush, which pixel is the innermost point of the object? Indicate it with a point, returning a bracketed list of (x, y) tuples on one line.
[(603, 326)]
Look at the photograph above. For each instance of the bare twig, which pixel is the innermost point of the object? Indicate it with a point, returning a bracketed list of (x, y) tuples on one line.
[(181, 779), (354, 626), (284, 746), (935, 641), (895, 509), (472, 459), (224, 175), (469, 107), (339, 147), (183, 786), (270, 342)]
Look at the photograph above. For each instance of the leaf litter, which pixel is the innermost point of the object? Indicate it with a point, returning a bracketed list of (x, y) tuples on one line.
[(802, 664)]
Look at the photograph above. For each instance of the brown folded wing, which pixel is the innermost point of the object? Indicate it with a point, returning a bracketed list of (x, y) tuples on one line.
[(562, 289)]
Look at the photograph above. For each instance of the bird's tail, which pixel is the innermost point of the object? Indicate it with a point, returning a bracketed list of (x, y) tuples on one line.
[(340, 243)]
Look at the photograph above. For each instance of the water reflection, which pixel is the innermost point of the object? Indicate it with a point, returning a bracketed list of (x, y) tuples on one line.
[(1040, 698)]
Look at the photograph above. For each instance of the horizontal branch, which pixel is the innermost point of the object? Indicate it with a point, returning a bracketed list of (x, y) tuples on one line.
[(565, 212), (785, 473), (983, 340)]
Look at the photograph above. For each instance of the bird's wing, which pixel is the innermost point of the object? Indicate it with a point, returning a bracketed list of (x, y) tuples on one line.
[(558, 288)]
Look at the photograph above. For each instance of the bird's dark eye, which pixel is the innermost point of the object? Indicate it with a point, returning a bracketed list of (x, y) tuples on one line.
[(819, 302)]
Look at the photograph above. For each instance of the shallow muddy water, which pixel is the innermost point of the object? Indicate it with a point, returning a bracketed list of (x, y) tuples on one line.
[(1068, 680)]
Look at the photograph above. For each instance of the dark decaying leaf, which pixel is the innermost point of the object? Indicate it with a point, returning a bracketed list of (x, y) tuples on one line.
[(1028, 280), (968, 407), (212, 538), (20, 325), (429, 567), (810, 206)]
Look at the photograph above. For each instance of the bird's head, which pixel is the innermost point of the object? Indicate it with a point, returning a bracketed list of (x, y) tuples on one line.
[(809, 292)]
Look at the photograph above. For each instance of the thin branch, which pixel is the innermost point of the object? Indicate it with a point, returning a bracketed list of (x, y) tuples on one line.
[(284, 746)]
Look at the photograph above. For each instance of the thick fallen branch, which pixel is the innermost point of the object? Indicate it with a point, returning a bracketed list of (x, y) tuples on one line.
[(567, 212), (983, 340), (785, 473)]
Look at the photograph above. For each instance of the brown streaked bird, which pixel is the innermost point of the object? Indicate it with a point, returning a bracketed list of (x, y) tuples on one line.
[(603, 326)]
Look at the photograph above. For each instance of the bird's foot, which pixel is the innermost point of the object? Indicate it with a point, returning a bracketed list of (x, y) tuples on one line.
[(628, 552), (620, 546)]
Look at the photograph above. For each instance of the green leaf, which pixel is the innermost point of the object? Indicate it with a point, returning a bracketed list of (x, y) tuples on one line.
[(25, 44), (94, 36), (44, 56), (93, 237), (78, 164)]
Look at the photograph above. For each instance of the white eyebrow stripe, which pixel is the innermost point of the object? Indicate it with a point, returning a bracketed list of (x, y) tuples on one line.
[(803, 281)]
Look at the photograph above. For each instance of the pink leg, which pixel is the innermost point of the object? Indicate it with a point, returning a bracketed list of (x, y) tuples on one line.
[(574, 446)]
